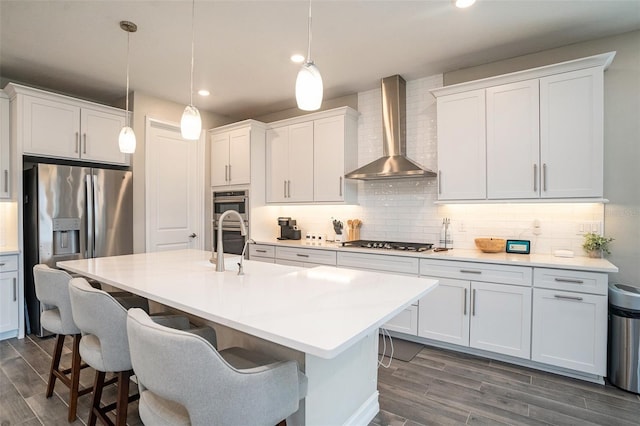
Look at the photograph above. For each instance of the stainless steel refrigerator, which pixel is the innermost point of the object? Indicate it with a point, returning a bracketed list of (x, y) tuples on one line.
[(73, 212)]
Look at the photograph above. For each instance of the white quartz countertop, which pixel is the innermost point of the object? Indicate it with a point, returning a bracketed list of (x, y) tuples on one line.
[(580, 263), (321, 311)]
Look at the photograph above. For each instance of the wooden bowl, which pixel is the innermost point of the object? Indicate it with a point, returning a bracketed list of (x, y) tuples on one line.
[(491, 245)]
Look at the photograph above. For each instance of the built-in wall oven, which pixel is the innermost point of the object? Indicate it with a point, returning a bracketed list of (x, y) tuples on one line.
[(232, 239)]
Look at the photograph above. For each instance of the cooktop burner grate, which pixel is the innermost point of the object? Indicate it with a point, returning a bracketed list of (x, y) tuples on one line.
[(389, 245)]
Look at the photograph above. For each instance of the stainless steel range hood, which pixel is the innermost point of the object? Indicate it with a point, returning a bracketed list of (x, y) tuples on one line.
[(394, 164)]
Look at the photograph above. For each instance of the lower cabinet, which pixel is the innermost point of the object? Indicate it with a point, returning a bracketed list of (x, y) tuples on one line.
[(9, 298), (570, 327), (488, 316)]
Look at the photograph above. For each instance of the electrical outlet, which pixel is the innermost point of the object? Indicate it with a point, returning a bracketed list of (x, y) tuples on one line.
[(461, 227), (537, 230), (594, 226)]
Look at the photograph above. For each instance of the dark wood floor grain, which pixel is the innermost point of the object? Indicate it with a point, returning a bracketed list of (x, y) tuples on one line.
[(437, 387)]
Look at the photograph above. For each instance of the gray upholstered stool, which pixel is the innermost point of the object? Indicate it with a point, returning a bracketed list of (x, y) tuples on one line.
[(104, 345), (185, 380), (52, 289)]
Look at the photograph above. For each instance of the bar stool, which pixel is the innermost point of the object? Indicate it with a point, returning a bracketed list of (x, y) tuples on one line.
[(52, 289), (185, 380), (104, 344)]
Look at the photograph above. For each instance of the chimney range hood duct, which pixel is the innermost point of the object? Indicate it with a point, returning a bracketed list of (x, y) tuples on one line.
[(394, 164)]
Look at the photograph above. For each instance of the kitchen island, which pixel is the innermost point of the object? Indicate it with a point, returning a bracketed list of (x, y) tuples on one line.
[(328, 316)]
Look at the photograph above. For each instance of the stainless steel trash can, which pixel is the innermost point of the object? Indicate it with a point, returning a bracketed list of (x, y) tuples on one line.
[(624, 337)]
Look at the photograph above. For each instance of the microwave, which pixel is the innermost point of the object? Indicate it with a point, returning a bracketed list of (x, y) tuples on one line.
[(231, 200)]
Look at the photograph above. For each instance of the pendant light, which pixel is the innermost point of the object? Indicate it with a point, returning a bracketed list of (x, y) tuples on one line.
[(309, 81), (191, 123), (127, 138)]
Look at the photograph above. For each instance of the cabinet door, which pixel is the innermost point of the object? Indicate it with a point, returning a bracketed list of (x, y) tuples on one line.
[(328, 159), (99, 132), (220, 159), (461, 146), (8, 301), (51, 128), (570, 330), (240, 157), (5, 149), (444, 312), (571, 134), (405, 322), (513, 141), (300, 181), (277, 164), (501, 319)]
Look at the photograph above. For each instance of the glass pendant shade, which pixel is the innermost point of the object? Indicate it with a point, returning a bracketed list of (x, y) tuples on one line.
[(309, 87), (191, 123), (127, 140)]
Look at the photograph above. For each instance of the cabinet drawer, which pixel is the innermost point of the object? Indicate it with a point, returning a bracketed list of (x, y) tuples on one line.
[(486, 272), (8, 263), (377, 262), (261, 250), (322, 257), (561, 279)]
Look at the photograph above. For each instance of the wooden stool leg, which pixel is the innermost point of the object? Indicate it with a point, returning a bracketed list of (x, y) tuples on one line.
[(97, 394), (55, 364), (75, 378), (123, 397)]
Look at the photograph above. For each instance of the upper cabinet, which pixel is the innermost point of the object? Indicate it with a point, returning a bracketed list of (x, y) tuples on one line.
[(5, 148), (308, 156), (51, 125), (531, 135), (231, 152)]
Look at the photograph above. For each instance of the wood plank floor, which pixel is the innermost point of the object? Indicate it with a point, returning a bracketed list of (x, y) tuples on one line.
[(437, 387)]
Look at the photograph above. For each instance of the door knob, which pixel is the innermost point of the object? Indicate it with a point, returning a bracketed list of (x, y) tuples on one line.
[(193, 235)]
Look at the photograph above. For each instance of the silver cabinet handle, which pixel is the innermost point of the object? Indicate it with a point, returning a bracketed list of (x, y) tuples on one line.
[(261, 251), (193, 235), (470, 271), (473, 302), (229, 172), (289, 189), (15, 290), (557, 296), (568, 280), (84, 149), (439, 181), (544, 176), (6, 180), (284, 191), (226, 173), (340, 187), (2, 264), (465, 302), (535, 177), (302, 255), (77, 142)]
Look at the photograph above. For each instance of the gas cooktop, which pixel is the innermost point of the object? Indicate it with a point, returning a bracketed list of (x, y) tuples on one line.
[(388, 245)]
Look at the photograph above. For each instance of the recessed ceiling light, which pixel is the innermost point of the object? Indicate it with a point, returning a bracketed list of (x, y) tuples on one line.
[(297, 58), (464, 3), (203, 92)]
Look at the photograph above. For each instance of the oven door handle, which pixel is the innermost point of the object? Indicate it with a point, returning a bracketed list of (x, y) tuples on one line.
[(230, 228), (242, 198)]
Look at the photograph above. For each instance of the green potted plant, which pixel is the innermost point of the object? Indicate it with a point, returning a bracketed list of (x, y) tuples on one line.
[(596, 245)]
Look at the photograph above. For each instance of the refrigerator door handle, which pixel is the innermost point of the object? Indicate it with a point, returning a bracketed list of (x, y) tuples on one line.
[(89, 212)]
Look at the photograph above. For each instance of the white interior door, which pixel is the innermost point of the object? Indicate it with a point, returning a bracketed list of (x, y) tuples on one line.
[(174, 193)]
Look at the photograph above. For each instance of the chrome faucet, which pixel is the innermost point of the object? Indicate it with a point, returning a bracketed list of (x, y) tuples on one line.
[(219, 248), (244, 249)]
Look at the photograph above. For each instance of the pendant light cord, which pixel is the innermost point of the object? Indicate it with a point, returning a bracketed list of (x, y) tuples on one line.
[(309, 36), (193, 14), (127, 97)]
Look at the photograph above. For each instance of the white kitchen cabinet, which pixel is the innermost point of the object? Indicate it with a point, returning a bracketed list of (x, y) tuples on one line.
[(262, 253), (461, 146), (513, 153), (484, 306), (5, 148), (570, 319), (305, 255), (544, 134), (51, 125), (571, 134), (405, 322), (290, 163), (334, 154), (231, 152), (9, 297)]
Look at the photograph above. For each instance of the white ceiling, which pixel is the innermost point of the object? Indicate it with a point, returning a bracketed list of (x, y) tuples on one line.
[(243, 47)]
